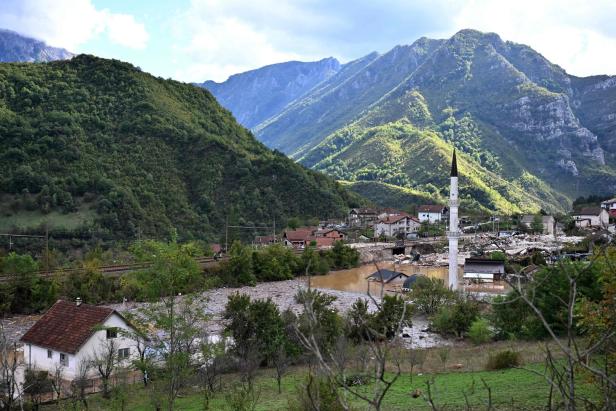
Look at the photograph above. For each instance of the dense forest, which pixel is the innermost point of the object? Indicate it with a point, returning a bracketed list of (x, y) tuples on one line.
[(95, 148)]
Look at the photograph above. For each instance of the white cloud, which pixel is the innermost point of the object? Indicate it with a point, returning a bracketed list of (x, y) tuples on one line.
[(71, 23)]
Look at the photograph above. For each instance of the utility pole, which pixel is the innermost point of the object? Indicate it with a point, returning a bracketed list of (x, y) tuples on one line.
[(47, 248), (226, 234)]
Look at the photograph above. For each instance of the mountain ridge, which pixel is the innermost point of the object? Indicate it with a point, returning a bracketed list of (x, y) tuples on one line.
[(507, 107), (15, 47)]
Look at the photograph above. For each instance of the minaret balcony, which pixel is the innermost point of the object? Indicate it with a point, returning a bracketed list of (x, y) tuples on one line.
[(454, 202), (453, 234)]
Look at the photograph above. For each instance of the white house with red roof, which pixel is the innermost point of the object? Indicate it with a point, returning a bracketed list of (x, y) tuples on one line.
[(393, 225), (71, 333), (431, 213)]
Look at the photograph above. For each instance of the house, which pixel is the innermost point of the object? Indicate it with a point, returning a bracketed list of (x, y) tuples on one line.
[(362, 217), (482, 270), (387, 276), (298, 238), (71, 333), (431, 213), (592, 217), (547, 221), (610, 206), (331, 233), (265, 240), (392, 226)]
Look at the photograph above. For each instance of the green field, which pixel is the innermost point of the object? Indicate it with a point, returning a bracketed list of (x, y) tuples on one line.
[(54, 220), (513, 389)]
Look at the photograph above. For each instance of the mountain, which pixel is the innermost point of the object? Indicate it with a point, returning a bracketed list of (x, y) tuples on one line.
[(98, 148), (530, 135), (256, 95), (17, 48)]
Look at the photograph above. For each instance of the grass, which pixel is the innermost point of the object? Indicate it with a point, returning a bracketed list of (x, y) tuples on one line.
[(512, 389), (33, 219)]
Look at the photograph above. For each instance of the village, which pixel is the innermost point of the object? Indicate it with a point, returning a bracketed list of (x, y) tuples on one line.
[(395, 249)]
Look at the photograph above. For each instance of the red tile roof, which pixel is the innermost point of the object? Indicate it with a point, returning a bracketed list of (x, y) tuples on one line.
[(65, 327), (301, 234), (325, 241)]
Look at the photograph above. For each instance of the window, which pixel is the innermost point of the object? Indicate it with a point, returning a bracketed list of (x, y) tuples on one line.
[(112, 333), (49, 354), (123, 353), (64, 359)]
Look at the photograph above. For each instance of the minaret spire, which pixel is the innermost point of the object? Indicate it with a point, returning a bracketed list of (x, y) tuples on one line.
[(454, 165), (453, 234)]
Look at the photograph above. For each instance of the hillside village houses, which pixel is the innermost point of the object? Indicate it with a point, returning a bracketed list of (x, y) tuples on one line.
[(362, 217), (592, 217), (394, 225), (304, 236), (548, 221), (431, 213), (70, 334), (610, 206)]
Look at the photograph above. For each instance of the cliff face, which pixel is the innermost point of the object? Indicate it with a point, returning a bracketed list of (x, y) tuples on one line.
[(17, 48), (529, 134), (256, 95)]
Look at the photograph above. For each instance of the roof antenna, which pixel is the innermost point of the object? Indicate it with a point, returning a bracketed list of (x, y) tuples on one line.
[(78, 301)]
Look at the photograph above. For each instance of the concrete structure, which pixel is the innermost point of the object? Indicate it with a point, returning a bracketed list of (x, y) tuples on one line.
[(549, 223), (391, 226), (431, 213), (454, 233), (610, 206), (71, 334), (592, 217), (483, 270)]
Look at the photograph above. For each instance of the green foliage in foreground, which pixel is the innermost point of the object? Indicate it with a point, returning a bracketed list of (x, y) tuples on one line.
[(140, 155), (512, 389)]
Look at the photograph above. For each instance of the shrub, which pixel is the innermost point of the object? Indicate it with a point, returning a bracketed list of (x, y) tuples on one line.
[(504, 359), (456, 318), (480, 331), (429, 294)]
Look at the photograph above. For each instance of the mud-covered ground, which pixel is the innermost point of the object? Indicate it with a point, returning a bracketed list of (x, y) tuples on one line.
[(282, 294)]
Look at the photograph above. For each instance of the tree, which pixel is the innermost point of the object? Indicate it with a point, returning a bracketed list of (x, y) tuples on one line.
[(428, 294), (238, 270), (536, 225), (9, 365), (456, 318), (172, 269), (104, 361)]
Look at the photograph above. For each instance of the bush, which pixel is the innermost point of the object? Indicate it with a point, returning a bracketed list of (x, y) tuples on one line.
[(480, 331), (429, 294), (504, 359), (457, 318)]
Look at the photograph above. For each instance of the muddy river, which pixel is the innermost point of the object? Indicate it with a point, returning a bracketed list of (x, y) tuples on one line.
[(354, 279)]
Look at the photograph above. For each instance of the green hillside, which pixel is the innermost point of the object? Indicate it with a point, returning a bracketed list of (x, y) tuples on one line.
[(532, 136), (99, 148)]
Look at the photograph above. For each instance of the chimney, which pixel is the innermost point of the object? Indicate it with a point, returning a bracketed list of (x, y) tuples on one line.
[(78, 301)]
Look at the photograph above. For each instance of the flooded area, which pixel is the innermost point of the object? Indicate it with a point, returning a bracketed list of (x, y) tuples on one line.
[(354, 279)]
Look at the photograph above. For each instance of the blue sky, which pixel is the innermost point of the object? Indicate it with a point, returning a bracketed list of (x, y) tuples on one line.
[(195, 40)]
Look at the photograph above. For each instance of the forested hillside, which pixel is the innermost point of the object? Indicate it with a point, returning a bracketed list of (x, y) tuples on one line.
[(98, 148)]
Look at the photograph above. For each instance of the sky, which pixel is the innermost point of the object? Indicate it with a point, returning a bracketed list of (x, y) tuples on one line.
[(198, 40)]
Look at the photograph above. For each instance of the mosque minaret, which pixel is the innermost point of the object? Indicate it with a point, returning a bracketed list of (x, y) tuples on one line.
[(453, 234)]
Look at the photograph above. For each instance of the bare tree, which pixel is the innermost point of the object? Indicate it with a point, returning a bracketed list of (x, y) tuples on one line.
[(80, 384), (333, 363), (57, 380), (562, 374), (9, 365), (104, 361)]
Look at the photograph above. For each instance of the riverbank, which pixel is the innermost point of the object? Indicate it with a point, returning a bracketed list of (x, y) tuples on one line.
[(282, 293)]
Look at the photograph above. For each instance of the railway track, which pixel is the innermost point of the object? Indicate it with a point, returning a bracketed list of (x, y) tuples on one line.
[(117, 269)]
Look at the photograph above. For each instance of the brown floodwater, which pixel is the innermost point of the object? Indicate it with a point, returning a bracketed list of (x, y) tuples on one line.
[(354, 279)]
